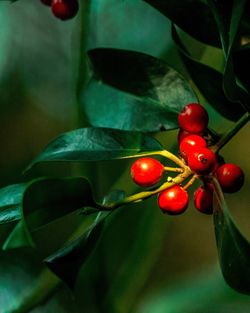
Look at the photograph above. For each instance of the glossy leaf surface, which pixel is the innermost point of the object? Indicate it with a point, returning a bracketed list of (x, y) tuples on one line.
[(233, 247), (192, 16), (210, 83), (10, 203), (149, 97), (96, 144)]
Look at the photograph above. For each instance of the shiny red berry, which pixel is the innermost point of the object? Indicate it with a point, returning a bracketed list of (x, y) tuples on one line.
[(64, 9), (183, 134), (230, 177), (203, 199), (46, 2), (173, 200), (191, 142), (147, 171), (193, 118), (201, 161)]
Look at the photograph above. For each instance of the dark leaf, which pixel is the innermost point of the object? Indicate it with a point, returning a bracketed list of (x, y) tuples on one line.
[(233, 248), (228, 16), (96, 144), (89, 211), (106, 106), (241, 60), (113, 196), (210, 82), (48, 199), (67, 262), (192, 16), (10, 203), (147, 88), (19, 237)]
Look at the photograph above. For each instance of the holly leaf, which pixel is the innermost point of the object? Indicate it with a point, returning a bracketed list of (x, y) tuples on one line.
[(210, 83), (233, 247), (241, 59), (228, 17), (67, 262), (96, 144), (46, 200), (145, 94), (192, 16), (10, 203)]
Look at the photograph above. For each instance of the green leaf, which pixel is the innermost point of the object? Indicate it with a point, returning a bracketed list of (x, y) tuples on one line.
[(67, 262), (233, 248), (105, 106), (210, 83), (96, 144), (113, 196), (228, 17), (46, 200), (241, 59), (147, 89), (10, 203), (192, 16), (19, 237)]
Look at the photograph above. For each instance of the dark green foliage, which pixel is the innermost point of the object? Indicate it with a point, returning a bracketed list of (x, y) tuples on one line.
[(150, 93), (97, 144), (67, 262), (210, 83), (193, 16), (233, 248), (10, 203)]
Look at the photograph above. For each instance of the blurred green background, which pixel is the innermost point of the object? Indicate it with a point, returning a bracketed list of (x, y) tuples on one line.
[(145, 262)]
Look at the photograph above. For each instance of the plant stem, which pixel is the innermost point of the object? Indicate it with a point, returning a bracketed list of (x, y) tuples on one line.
[(190, 182), (231, 133), (146, 194), (164, 153), (173, 169)]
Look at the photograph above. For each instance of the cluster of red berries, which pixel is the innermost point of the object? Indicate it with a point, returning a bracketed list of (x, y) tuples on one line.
[(63, 9), (202, 161)]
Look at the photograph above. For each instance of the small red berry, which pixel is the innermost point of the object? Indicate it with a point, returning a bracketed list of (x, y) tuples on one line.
[(230, 177), (46, 2), (193, 118), (201, 161), (173, 200), (182, 134), (191, 142), (147, 171), (203, 199), (64, 9)]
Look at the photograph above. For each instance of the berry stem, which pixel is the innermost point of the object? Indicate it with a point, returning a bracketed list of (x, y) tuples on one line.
[(164, 153), (190, 182), (173, 169), (231, 133), (147, 194)]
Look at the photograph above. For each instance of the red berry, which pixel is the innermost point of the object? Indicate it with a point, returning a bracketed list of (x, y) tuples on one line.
[(173, 200), (193, 118), (201, 161), (183, 134), (64, 9), (191, 142), (203, 199), (230, 177), (147, 171), (46, 2)]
